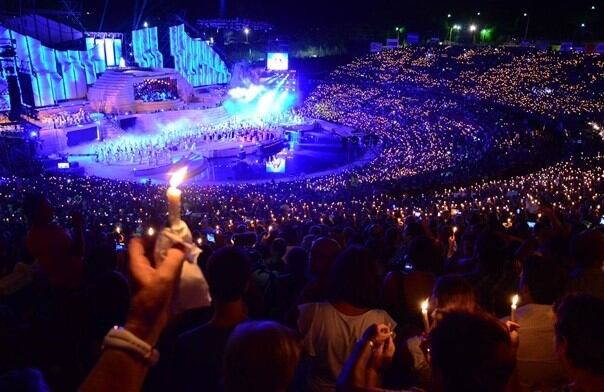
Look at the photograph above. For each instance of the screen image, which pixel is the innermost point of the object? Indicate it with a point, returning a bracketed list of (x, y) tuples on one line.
[(276, 165), (277, 61)]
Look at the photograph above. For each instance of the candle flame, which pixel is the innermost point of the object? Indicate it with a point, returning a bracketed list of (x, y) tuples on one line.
[(178, 177), (515, 300), (425, 304), (454, 229), (150, 231)]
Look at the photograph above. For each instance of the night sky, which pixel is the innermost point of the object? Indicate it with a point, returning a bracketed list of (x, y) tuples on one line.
[(549, 19)]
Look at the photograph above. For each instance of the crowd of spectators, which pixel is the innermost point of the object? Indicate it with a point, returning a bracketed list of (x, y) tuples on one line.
[(316, 283), (535, 81), (156, 90)]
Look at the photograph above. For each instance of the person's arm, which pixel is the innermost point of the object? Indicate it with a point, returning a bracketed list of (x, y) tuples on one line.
[(118, 370), (362, 369)]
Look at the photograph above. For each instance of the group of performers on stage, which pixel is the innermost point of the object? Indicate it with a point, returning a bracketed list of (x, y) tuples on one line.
[(159, 148)]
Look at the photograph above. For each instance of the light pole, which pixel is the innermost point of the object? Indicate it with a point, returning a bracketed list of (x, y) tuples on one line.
[(246, 31), (528, 20), (473, 29), (455, 27)]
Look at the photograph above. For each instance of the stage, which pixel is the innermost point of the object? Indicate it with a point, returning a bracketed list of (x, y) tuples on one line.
[(302, 151)]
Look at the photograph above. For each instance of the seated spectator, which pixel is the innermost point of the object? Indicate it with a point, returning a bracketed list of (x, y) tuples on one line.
[(198, 353), (331, 328), (541, 284), (579, 341), (587, 250), (260, 357)]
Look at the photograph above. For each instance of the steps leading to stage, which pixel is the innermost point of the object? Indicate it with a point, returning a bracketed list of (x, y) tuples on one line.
[(111, 91), (111, 130)]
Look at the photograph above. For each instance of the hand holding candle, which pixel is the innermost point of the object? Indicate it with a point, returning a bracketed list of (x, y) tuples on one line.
[(424, 306), (174, 195), (515, 300)]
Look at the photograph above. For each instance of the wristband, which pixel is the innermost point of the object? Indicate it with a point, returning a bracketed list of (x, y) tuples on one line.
[(121, 339)]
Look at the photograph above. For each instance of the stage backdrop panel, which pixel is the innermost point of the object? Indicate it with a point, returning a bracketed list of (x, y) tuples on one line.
[(196, 60)]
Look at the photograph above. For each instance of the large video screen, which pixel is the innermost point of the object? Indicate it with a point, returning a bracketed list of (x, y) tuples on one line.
[(277, 61)]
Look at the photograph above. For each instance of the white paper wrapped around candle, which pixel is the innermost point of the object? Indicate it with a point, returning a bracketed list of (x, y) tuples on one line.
[(174, 195)]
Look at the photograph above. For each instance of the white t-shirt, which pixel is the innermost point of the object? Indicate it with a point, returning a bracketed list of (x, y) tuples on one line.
[(538, 364), (329, 337)]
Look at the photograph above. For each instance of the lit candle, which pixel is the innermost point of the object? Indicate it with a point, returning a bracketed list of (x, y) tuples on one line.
[(424, 306), (515, 299), (174, 195)]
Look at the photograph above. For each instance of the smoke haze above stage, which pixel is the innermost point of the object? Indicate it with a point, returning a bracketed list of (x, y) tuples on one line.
[(256, 93)]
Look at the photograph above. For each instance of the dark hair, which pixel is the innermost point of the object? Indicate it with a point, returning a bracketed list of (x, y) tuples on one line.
[(297, 260), (228, 274), (260, 356), (546, 281), (454, 291), (587, 248), (424, 254), (579, 320), (491, 252), (354, 278), (471, 352), (32, 203), (323, 253), (278, 247)]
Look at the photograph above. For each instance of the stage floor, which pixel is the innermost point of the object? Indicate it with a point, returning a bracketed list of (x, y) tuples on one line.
[(318, 153)]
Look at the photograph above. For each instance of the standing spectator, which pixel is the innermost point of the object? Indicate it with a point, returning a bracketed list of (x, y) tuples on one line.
[(580, 343), (541, 284), (261, 357), (330, 329), (587, 250), (323, 253), (199, 353), (471, 352), (58, 254)]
